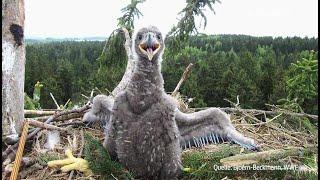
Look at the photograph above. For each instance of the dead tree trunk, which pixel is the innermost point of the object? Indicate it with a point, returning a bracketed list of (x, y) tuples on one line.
[(13, 64)]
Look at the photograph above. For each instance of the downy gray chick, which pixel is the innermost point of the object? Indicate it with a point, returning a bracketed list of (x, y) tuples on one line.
[(142, 132)]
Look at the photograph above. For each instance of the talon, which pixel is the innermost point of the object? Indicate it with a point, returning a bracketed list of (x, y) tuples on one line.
[(71, 163)]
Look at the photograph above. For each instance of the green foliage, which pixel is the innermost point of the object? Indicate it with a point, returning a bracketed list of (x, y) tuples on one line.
[(113, 59), (130, 12), (28, 103), (112, 63), (302, 82), (255, 68), (66, 69), (186, 25), (289, 104), (100, 161), (33, 103), (203, 164), (43, 159), (174, 66)]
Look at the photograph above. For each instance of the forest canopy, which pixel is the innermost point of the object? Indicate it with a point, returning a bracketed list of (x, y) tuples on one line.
[(258, 69)]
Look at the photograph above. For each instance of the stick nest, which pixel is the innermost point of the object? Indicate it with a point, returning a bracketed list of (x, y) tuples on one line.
[(277, 132)]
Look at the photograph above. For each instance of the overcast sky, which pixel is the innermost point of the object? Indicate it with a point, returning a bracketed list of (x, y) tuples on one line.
[(87, 18)]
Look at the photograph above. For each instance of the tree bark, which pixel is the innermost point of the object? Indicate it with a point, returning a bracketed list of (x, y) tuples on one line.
[(13, 64)]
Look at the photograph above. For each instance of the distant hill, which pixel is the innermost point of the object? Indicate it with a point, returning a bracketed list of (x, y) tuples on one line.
[(44, 40)]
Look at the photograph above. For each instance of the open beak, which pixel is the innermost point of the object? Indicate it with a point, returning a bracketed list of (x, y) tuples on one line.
[(149, 48)]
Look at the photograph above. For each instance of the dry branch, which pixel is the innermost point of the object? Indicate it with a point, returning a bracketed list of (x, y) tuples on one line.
[(184, 77), (245, 159), (61, 118), (76, 122), (229, 109), (52, 109), (52, 118), (41, 118), (261, 123), (38, 112), (44, 125), (55, 101)]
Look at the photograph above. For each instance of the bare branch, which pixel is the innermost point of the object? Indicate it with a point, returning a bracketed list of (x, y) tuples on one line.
[(184, 77), (229, 109), (65, 105), (38, 112), (262, 123), (54, 100), (52, 118), (44, 125)]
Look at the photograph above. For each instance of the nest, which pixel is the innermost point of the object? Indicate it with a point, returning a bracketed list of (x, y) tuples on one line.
[(277, 132)]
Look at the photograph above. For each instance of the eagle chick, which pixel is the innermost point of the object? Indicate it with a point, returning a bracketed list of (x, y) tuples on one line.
[(142, 132)]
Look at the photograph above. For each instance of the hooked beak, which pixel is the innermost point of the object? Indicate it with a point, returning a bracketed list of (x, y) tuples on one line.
[(150, 47)]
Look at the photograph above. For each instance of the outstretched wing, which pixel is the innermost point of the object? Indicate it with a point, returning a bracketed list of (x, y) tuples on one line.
[(100, 111), (209, 126)]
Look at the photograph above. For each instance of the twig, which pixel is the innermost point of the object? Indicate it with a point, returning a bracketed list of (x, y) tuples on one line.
[(55, 116), (262, 123), (85, 96), (107, 42), (38, 112), (44, 125), (72, 123), (114, 176), (90, 97), (251, 158), (51, 109), (65, 105), (184, 77), (54, 100), (61, 118), (236, 105), (41, 118), (97, 89), (70, 116), (19, 153), (229, 109)]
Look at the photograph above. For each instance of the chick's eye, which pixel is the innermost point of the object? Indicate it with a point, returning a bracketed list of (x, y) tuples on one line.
[(140, 37), (159, 36)]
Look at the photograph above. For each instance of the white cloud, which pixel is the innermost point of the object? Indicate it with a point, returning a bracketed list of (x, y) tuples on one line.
[(85, 18)]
